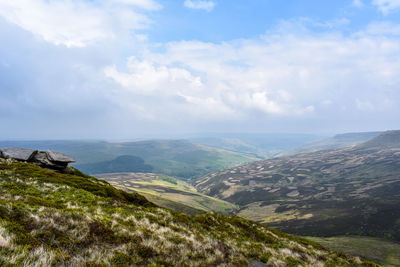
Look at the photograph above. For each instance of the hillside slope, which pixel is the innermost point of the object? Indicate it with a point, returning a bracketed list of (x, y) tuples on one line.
[(352, 190), (337, 141), (263, 145), (52, 219), (168, 192), (378, 250), (388, 139)]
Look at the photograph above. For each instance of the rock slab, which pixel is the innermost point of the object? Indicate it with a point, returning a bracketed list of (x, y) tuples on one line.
[(18, 153), (58, 157), (50, 159)]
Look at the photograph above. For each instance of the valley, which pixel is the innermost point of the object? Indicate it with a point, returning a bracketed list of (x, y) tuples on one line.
[(168, 192), (199, 133), (352, 190), (179, 158), (260, 145), (344, 198)]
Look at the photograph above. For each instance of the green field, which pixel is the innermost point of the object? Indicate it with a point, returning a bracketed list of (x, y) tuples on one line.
[(382, 251), (168, 192)]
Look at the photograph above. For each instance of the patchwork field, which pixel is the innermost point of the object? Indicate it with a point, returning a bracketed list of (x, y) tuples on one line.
[(168, 192), (353, 190)]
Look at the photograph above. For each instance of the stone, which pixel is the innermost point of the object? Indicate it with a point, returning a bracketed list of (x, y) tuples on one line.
[(50, 159), (22, 154), (257, 264), (58, 157), (42, 160), (293, 194)]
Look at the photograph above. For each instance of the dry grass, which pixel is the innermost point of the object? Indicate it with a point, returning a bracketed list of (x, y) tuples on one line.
[(63, 223)]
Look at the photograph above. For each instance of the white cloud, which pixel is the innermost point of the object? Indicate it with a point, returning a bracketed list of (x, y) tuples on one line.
[(200, 4), (387, 6), (75, 23), (146, 77), (383, 28), (283, 74), (364, 105), (145, 4), (358, 3), (282, 79)]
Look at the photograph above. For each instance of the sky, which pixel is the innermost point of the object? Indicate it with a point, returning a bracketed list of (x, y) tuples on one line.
[(123, 69)]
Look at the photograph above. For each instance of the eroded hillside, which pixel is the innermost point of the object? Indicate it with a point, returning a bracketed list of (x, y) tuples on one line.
[(325, 193)]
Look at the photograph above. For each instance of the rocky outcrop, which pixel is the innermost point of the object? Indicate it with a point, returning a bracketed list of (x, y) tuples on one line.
[(47, 159), (18, 153)]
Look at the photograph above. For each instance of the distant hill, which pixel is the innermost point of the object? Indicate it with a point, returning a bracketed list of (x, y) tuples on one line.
[(53, 219), (261, 145), (353, 190), (124, 163), (337, 141), (389, 139), (178, 158)]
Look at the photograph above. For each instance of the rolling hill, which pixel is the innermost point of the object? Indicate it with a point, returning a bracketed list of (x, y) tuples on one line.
[(337, 141), (178, 158), (354, 190), (54, 219), (261, 145), (168, 192)]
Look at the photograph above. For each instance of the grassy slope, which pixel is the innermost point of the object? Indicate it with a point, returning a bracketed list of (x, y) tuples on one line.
[(48, 218), (168, 192), (380, 250)]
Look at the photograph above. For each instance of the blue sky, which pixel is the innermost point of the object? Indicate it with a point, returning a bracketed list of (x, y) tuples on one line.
[(121, 69), (248, 19)]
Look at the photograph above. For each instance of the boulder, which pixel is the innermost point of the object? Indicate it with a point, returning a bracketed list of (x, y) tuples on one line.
[(50, 159), (42, 160), (58, 157), (22, 154)]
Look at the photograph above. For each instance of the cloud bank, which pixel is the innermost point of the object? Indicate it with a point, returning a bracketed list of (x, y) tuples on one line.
[(85, 70), (284, 74), (77, 23)]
